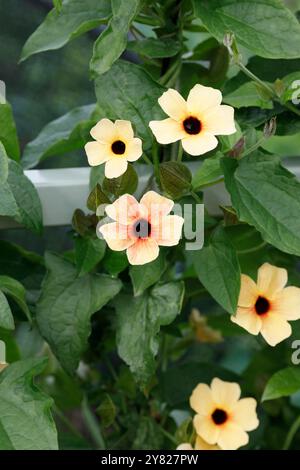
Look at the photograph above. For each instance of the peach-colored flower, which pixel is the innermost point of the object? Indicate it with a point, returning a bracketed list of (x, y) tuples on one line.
[(200, 444), (223, 418), (140, 228), (196, 121), (114, 145), (267, 305)]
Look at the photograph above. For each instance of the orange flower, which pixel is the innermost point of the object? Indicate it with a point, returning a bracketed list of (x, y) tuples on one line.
[(267, 305), (140, 228), (223, 418), (114, 145)]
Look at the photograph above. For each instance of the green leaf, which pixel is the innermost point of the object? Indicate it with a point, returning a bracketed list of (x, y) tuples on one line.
[(6, 316), (209, 171), (8, 132), (138, 324), (218, 269), (155, 48), (88, 253), (66, 305), (113, 40), (266, 196), (145, 276), (84, 224), (25, 418), (283, 383), (3, 164), (14, 289), (149, 434), (126, 91), (124, 184), (96, 198), (265, 27), (248, 95), (115, 262), (107, 411), (19, 199), (75, 18), (65, 134), (175, 179), (291, 87)]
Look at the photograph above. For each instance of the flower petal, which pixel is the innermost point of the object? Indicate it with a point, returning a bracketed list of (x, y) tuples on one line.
[(287, 303), (143, 251), (184, 446), (248, 293), (124, 129), (202, 98), (167, 130), (232, 437), (156, 205), (247, 319), (200, 143), (116, 236), (275, 329), (271, 279), (200, 444), (104, 131), (244, 414), (115, 167), (97, 153), (206, 429), (124, 210), (168, 232), (201, 400), (133, 150), (220, 120), (225, 394), (173, 104)]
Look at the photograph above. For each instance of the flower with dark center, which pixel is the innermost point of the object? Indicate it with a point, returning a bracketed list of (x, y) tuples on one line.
[(142, 229), (195, 121), (219, 416), (114, 145), (266, 306)]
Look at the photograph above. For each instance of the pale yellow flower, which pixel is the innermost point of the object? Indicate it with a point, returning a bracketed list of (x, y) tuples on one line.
[(222, 418), (196, 121), (267, 305), (141, 227), (114, 145), (200, 444)]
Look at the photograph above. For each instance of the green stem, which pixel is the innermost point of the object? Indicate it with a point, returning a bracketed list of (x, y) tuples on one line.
[(253, 147), (291, 434), (208, 185), (180, 152), (169, 436), (66, 422), (155, 157), (146, 159), (267, 88), (92, 425), (196, 197), (169, 73)]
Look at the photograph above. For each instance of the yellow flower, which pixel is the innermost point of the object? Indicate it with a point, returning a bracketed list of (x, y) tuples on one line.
[(196, 121), (223, 418), (200, 444), (140, 228), (114, 145), (266, 306)]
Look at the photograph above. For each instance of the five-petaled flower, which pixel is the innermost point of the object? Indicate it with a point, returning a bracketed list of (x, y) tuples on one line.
[(266, 306), (114, 145), (222, 417), (141, 228), (196, 121)]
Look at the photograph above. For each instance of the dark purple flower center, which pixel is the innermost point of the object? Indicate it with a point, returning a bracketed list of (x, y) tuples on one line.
[(262, 305), (219, 416), (142, 229), (118, 147), (192, 125)]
